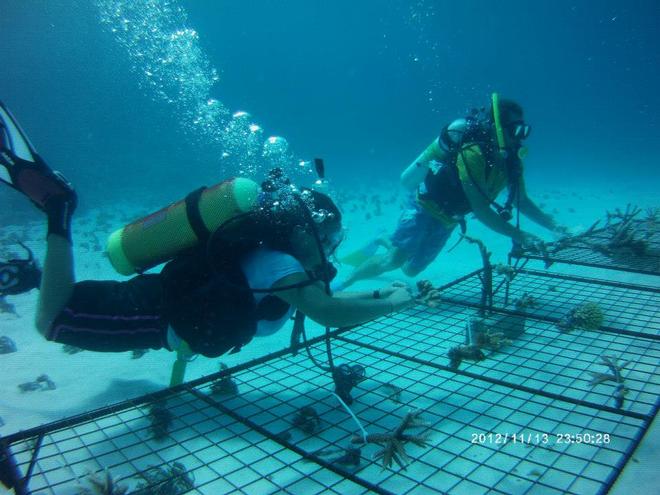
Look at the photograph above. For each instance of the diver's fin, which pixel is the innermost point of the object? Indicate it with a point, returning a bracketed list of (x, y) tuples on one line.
[(23, 169), (359, 256), (13, 141)]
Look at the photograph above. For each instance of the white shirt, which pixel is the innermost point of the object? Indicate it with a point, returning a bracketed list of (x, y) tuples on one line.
[(263, 268)]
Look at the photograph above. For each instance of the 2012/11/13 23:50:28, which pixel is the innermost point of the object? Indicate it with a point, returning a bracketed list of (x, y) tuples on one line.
[(540, 438)]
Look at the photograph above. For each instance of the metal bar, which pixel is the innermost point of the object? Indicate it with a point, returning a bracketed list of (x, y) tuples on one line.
[(155, 396), (290, 446), (618, 469), (33, 459), (495, 381), (591, 264), (589, 280), (461, 279), (10, 474), (549, 319)]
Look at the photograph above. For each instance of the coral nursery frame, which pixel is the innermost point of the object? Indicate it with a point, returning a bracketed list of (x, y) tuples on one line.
[(524, 420)]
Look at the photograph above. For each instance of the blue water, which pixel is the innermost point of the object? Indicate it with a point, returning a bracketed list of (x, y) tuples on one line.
[(366, 85), (141, 101)]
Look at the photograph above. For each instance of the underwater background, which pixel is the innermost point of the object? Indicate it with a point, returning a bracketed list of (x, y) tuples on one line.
[(365, 85), (139, 102)]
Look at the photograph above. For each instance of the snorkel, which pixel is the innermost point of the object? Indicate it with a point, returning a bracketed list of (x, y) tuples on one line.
[(499, 132), (497, 121)]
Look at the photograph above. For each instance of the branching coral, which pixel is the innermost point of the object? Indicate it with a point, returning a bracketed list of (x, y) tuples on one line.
[(525, 301), (457, 354), (224, 385), (491, 339), (507, 271), (614, 375), (161, 420), (173, 480), (625, 235), (587, 316), (393, 443), (307, 419), (101, 483)]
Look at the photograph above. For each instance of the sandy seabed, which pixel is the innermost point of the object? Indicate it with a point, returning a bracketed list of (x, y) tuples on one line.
[(88, 380)]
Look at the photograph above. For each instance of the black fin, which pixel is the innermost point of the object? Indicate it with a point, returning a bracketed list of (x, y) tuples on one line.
[(24, 170)]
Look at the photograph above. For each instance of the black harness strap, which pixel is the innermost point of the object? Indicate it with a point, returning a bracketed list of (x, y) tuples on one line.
[(194, 215)]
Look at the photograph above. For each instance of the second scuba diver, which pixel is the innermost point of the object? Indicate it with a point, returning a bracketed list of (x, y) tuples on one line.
[(461, 172)]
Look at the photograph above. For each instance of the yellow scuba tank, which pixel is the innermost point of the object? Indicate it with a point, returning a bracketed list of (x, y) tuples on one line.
[(158, 237)]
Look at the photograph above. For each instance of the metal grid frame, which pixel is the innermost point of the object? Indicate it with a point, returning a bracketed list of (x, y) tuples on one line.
[(583, 253), (536, 386)]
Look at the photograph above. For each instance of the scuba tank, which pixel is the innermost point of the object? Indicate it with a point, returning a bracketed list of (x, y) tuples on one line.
[(158, 237)]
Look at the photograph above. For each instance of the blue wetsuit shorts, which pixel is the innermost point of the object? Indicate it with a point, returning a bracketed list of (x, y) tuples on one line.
[(420, 236)]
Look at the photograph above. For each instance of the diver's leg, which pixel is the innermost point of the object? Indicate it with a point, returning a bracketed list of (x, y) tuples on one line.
[(58, 276), (23, 169), (377, 265), (434, 239), (56, 281), (404, 241)]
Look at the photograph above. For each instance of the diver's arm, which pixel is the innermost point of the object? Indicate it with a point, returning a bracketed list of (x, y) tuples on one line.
[(533, 212), (382, 292), (336, 312), (488, 217), (415, 174)]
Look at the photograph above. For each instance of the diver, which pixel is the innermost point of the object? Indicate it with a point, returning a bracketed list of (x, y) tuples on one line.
[(19, 275), (462, 171), (244, 279)]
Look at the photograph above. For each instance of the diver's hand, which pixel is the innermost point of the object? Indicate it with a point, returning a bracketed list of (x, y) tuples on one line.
[(530, 242), (387, 290), (401, 299)]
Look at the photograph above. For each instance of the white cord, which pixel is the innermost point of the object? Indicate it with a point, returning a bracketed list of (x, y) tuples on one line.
[(357, 421)]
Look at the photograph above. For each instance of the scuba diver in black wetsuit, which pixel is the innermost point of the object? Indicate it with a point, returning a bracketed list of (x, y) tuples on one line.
[(241, 279), (461, 172)]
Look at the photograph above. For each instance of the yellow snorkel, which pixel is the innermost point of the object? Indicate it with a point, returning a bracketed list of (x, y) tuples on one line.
[(499, 133)]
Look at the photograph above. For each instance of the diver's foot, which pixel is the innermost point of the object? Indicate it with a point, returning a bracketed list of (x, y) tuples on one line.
[(46, 187), (59, 208)]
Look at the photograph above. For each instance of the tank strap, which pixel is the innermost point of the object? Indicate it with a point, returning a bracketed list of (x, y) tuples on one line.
[(194, 215)]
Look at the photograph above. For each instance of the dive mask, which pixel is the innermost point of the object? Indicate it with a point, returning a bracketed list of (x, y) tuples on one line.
[(519, 130), (331, 241)]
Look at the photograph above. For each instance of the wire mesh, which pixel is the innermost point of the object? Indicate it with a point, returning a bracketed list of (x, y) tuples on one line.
[(526, 419), (596, 250), (627, 308)]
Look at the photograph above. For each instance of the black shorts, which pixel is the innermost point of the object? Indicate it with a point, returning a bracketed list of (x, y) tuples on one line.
[(111, 316)]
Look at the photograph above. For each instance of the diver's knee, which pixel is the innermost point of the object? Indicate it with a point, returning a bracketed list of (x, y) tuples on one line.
[(411, 271), (396, 258), (43, 326)]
